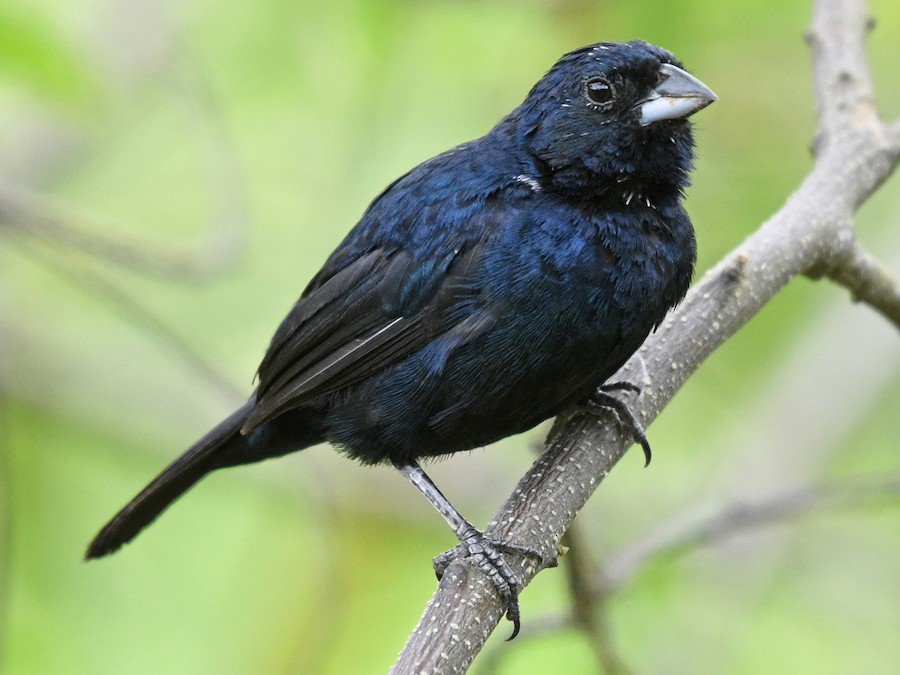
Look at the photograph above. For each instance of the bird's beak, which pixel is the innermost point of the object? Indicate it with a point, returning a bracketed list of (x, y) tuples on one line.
[(679, 95)]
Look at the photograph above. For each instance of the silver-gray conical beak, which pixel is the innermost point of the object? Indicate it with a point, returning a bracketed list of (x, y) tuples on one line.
[(680, 94)]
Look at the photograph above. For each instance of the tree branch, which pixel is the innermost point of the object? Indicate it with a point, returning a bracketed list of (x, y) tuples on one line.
[(855, 153), (594, 583), (679, 536), (869, 282), (588, 594)]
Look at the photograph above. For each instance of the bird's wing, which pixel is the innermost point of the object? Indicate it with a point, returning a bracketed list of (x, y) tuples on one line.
[(375, 311)]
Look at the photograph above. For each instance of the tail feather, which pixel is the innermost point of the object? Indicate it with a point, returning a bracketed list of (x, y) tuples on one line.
[(209, 453)]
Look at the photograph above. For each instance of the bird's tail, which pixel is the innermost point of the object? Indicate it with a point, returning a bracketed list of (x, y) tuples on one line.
[(211, 452)]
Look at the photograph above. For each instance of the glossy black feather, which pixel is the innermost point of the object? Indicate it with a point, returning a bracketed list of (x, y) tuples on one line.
[(484, 291)]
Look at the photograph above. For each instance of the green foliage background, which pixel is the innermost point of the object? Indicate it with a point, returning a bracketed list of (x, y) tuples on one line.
[(172, 125)]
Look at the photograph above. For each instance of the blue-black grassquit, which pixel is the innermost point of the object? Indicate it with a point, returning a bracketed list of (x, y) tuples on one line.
[(486, 290)]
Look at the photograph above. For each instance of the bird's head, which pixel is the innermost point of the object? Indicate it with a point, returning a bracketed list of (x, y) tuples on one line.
[(613, 111)]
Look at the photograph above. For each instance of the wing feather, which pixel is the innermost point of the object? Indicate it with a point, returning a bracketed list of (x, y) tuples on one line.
[(373, 313)]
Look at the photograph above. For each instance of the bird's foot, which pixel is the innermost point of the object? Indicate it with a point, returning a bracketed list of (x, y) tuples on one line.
[(602, 399), (488, 555)]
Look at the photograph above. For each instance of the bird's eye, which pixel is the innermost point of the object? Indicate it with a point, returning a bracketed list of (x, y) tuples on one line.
[(599, 91)]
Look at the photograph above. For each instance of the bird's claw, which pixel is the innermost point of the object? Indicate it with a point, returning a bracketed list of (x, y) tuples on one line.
[(488, 555), (602, 399)]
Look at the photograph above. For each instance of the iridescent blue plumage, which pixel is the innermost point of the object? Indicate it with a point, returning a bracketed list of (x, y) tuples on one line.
[(487, 289)]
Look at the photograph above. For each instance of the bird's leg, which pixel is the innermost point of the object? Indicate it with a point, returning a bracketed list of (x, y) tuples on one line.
[(603, 399), (487, 553)]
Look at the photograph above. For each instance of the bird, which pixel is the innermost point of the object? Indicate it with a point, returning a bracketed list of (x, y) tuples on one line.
[(488, 289)]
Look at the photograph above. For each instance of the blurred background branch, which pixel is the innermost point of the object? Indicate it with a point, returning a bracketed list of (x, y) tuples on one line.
[(132, 310), (592, 584), (31, 213), (683, 533)]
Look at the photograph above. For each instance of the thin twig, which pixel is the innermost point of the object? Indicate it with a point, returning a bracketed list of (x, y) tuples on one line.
[(680, 536), (589, 612), (869, 282)]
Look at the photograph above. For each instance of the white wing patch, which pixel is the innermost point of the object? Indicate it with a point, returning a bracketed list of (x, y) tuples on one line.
[(529, 181)]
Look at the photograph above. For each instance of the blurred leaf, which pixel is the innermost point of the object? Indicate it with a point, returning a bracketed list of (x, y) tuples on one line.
[(35, 54)]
